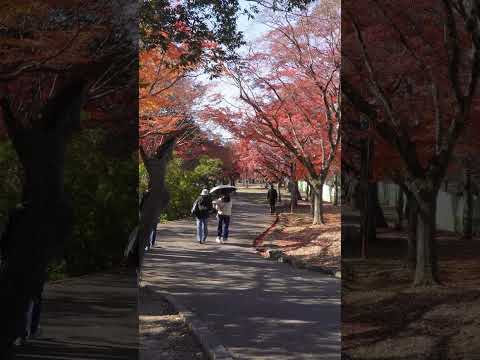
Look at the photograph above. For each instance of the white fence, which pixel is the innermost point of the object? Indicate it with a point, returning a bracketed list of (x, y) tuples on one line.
[(328, 191), (449, 207)]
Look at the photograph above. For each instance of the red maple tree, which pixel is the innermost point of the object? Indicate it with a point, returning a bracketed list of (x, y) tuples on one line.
[(411, 70)]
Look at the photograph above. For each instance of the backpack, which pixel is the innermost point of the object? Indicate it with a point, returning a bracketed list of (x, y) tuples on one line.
[(204, 204), (202, 207)]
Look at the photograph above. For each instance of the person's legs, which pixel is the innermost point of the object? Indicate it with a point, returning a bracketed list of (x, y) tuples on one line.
[(220, 226), (22, 306), (205, 229), (199, 229), (29, 317), (226, 224), (37, 308), (149, 244), (154, 235)]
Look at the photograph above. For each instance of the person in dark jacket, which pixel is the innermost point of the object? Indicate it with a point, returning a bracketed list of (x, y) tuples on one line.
[(202, 207), (272, 198)]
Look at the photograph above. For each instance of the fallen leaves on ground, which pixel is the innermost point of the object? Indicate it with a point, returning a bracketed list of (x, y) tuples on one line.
[(314, 244), (384, 317)]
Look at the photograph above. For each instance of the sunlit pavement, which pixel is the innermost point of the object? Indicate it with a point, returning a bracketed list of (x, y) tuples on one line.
[(259, 309)]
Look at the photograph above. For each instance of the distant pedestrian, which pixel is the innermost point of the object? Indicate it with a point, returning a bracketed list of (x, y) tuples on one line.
[(224, 211), (202, 207), (153, 234), (272, 198)]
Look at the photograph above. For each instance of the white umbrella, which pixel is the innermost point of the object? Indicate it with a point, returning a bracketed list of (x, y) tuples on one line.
[(223, 188)]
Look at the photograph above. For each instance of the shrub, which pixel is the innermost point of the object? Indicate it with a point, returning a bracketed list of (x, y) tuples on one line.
[(103, 190), (10, 180), (185, 185)]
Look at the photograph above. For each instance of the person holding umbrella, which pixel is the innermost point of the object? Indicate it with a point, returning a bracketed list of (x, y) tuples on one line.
[(223, 205)]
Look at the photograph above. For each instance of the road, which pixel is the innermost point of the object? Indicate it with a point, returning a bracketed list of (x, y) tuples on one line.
[(90, 317), (259, 309)]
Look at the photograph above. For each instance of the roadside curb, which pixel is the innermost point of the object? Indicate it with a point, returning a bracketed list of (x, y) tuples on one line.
[(259, 239), (211, 345), (280, 256)]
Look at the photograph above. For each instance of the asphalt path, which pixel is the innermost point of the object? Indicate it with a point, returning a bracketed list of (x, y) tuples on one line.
[(258, 309)]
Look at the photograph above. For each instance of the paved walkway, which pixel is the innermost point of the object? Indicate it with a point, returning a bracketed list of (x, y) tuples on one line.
[(91, 317), (258, 309)]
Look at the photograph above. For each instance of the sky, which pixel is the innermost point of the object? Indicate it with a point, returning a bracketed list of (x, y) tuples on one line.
[(252, 29)]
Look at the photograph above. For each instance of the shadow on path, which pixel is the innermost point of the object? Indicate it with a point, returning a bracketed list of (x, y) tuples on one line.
[(92, 317), (259, 309)]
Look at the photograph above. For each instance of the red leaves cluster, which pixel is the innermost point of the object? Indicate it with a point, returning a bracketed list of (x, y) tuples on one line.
[(408, 50), (45, 44), (289, 89), (166, 97)]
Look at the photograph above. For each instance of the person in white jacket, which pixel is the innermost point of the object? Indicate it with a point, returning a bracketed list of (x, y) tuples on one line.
[(224, 210)]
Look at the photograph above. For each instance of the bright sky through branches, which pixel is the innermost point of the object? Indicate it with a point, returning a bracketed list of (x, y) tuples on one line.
[(252, 29)]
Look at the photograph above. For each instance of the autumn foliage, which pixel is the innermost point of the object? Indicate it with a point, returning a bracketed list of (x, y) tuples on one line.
[(289, 93), (411, 77)]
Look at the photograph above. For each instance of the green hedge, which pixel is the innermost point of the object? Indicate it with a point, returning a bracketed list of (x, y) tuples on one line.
[(185, 185), (105, 198), (10, 180), (104, 192)]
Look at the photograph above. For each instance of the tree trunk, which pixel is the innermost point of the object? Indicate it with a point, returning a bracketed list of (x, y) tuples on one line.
[(426, 267), (293, 186), (279, 193), (299, 195), (369, 217), (399, 208), (356, 196), (336, 190), (468, 204), (158, 199), (379, 215), (312, 202), (412, 215), (368, 198), (293, 199), (454, 201), (38, 233), (318, 204), (344, 189)]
